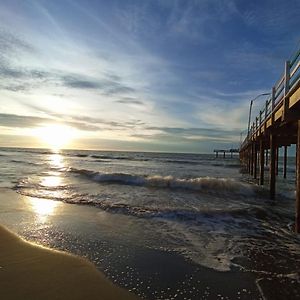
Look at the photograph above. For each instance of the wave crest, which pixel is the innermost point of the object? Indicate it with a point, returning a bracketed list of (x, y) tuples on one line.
[(209, 184)]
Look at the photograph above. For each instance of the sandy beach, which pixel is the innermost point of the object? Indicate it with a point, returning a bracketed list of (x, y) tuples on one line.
[(28, 271)]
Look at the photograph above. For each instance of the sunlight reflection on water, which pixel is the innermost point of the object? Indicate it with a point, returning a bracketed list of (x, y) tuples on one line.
[(51, 181), (43, 207), (56, 160)]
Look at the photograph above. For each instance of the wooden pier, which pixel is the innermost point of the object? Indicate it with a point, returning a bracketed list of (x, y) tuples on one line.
[(276, 126), (231, 151)]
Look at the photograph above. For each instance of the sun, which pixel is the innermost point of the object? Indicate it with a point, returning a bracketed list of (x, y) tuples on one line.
[(56, 136)]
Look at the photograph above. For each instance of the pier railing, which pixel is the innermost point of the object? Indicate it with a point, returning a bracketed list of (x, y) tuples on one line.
[(289, 81)]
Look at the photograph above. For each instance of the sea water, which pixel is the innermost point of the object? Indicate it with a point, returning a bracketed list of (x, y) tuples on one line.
[(203, 208)]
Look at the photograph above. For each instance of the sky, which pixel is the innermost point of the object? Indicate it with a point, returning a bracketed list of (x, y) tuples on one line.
[(143, 75)]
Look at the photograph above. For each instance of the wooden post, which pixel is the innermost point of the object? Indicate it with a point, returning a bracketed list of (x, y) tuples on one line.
[(277, 159), (224, 154), (251, 158), (248, 160), (266, 109), (260, 121), (266, 114), (284, 161), (272, 166), (286, 89), (297, 221), (261, 162), (267, 157), (273, 105), (255, 162)]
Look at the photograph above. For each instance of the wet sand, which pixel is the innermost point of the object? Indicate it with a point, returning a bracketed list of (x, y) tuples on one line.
[(28, 271)]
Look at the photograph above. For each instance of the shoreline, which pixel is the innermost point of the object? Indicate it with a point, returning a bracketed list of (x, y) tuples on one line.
[(29, 271), (150, 273)]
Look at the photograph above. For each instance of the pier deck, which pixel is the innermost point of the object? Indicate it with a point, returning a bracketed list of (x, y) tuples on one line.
[(224, 151)]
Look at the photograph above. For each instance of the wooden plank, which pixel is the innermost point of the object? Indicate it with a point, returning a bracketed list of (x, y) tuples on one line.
[(278, 113), (294, 98)]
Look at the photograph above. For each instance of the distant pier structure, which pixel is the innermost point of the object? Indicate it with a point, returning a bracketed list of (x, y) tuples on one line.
[(231, 151), (277, 125)]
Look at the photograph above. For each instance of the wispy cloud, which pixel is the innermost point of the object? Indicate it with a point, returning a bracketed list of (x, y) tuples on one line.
[(19, 121), (11, 43), (191, 134), (128, 100)]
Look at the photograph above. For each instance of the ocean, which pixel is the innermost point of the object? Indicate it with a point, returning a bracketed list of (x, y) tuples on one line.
[(162, 225)]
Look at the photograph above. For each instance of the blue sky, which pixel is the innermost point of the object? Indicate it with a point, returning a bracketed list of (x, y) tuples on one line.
[(140, 75)]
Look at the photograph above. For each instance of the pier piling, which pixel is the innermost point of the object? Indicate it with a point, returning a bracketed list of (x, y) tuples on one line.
[(261, 162), (252, 159), (272, 166), (255, 162), (276, 159), (297, 221), (284, 161)]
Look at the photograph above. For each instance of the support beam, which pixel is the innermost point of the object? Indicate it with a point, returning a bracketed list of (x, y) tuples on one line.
[(255, 162), (286, 90), (297, 221), (277, 159), (251, 159), (248, 160), (261, 162), (284, 161), (267, 157), (272, 166)]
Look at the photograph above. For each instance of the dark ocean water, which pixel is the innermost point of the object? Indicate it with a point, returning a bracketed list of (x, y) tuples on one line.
[(206, 210)]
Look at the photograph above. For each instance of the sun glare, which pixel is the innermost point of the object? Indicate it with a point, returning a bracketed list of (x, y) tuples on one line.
[(43, 207), (55, 136)]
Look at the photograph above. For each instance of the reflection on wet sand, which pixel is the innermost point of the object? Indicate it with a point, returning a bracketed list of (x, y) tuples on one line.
[(43, 208)]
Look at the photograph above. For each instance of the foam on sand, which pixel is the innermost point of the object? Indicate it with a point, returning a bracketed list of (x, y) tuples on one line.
[(32, 272)]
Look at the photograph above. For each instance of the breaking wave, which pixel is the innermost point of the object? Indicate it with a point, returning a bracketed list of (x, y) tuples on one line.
[(210, 184)]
